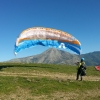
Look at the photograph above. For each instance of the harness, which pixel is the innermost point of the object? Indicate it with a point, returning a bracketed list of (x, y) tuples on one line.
[(82, 69)]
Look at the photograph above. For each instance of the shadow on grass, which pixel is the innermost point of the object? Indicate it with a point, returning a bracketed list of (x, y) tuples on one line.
[(5, 66), (25, 65)]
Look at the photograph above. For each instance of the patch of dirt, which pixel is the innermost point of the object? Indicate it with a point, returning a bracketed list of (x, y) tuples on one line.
[(59, 76), (22, 94)]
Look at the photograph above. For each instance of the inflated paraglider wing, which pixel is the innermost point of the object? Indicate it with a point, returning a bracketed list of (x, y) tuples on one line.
[(46, 37), (97, 68)]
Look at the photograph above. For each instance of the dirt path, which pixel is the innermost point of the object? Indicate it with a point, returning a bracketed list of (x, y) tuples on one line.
[(59, 76)]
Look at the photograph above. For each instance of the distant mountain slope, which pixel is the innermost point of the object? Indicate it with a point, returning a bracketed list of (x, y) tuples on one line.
[(55, 56), (92, 58), (51, 55)]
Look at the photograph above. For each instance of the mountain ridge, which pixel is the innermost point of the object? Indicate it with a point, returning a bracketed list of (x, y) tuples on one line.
[(56, 56)]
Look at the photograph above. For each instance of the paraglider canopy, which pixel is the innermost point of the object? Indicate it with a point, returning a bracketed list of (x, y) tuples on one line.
[(46, 37), (97, 68)]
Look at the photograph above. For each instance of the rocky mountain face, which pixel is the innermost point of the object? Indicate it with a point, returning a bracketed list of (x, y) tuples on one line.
[(55, 56), (92, 58)]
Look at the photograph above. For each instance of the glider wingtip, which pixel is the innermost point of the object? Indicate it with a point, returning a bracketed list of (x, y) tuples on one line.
[(15, 53)]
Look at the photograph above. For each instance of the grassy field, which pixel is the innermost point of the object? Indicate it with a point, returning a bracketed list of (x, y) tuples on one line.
[(47, 82)]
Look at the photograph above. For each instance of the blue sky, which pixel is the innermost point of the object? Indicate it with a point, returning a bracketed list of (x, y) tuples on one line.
[(80, 18)]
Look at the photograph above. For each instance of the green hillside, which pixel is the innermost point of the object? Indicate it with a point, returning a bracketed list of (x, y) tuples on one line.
[(47, 82)]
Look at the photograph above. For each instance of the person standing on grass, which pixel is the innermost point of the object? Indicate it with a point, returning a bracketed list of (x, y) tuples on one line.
[(81, 70)]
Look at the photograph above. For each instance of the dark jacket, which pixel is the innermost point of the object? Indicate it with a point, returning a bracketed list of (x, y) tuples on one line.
[(82, 68)]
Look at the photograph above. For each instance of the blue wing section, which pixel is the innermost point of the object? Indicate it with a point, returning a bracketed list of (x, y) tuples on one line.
[(31, 43), (50, 43)]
